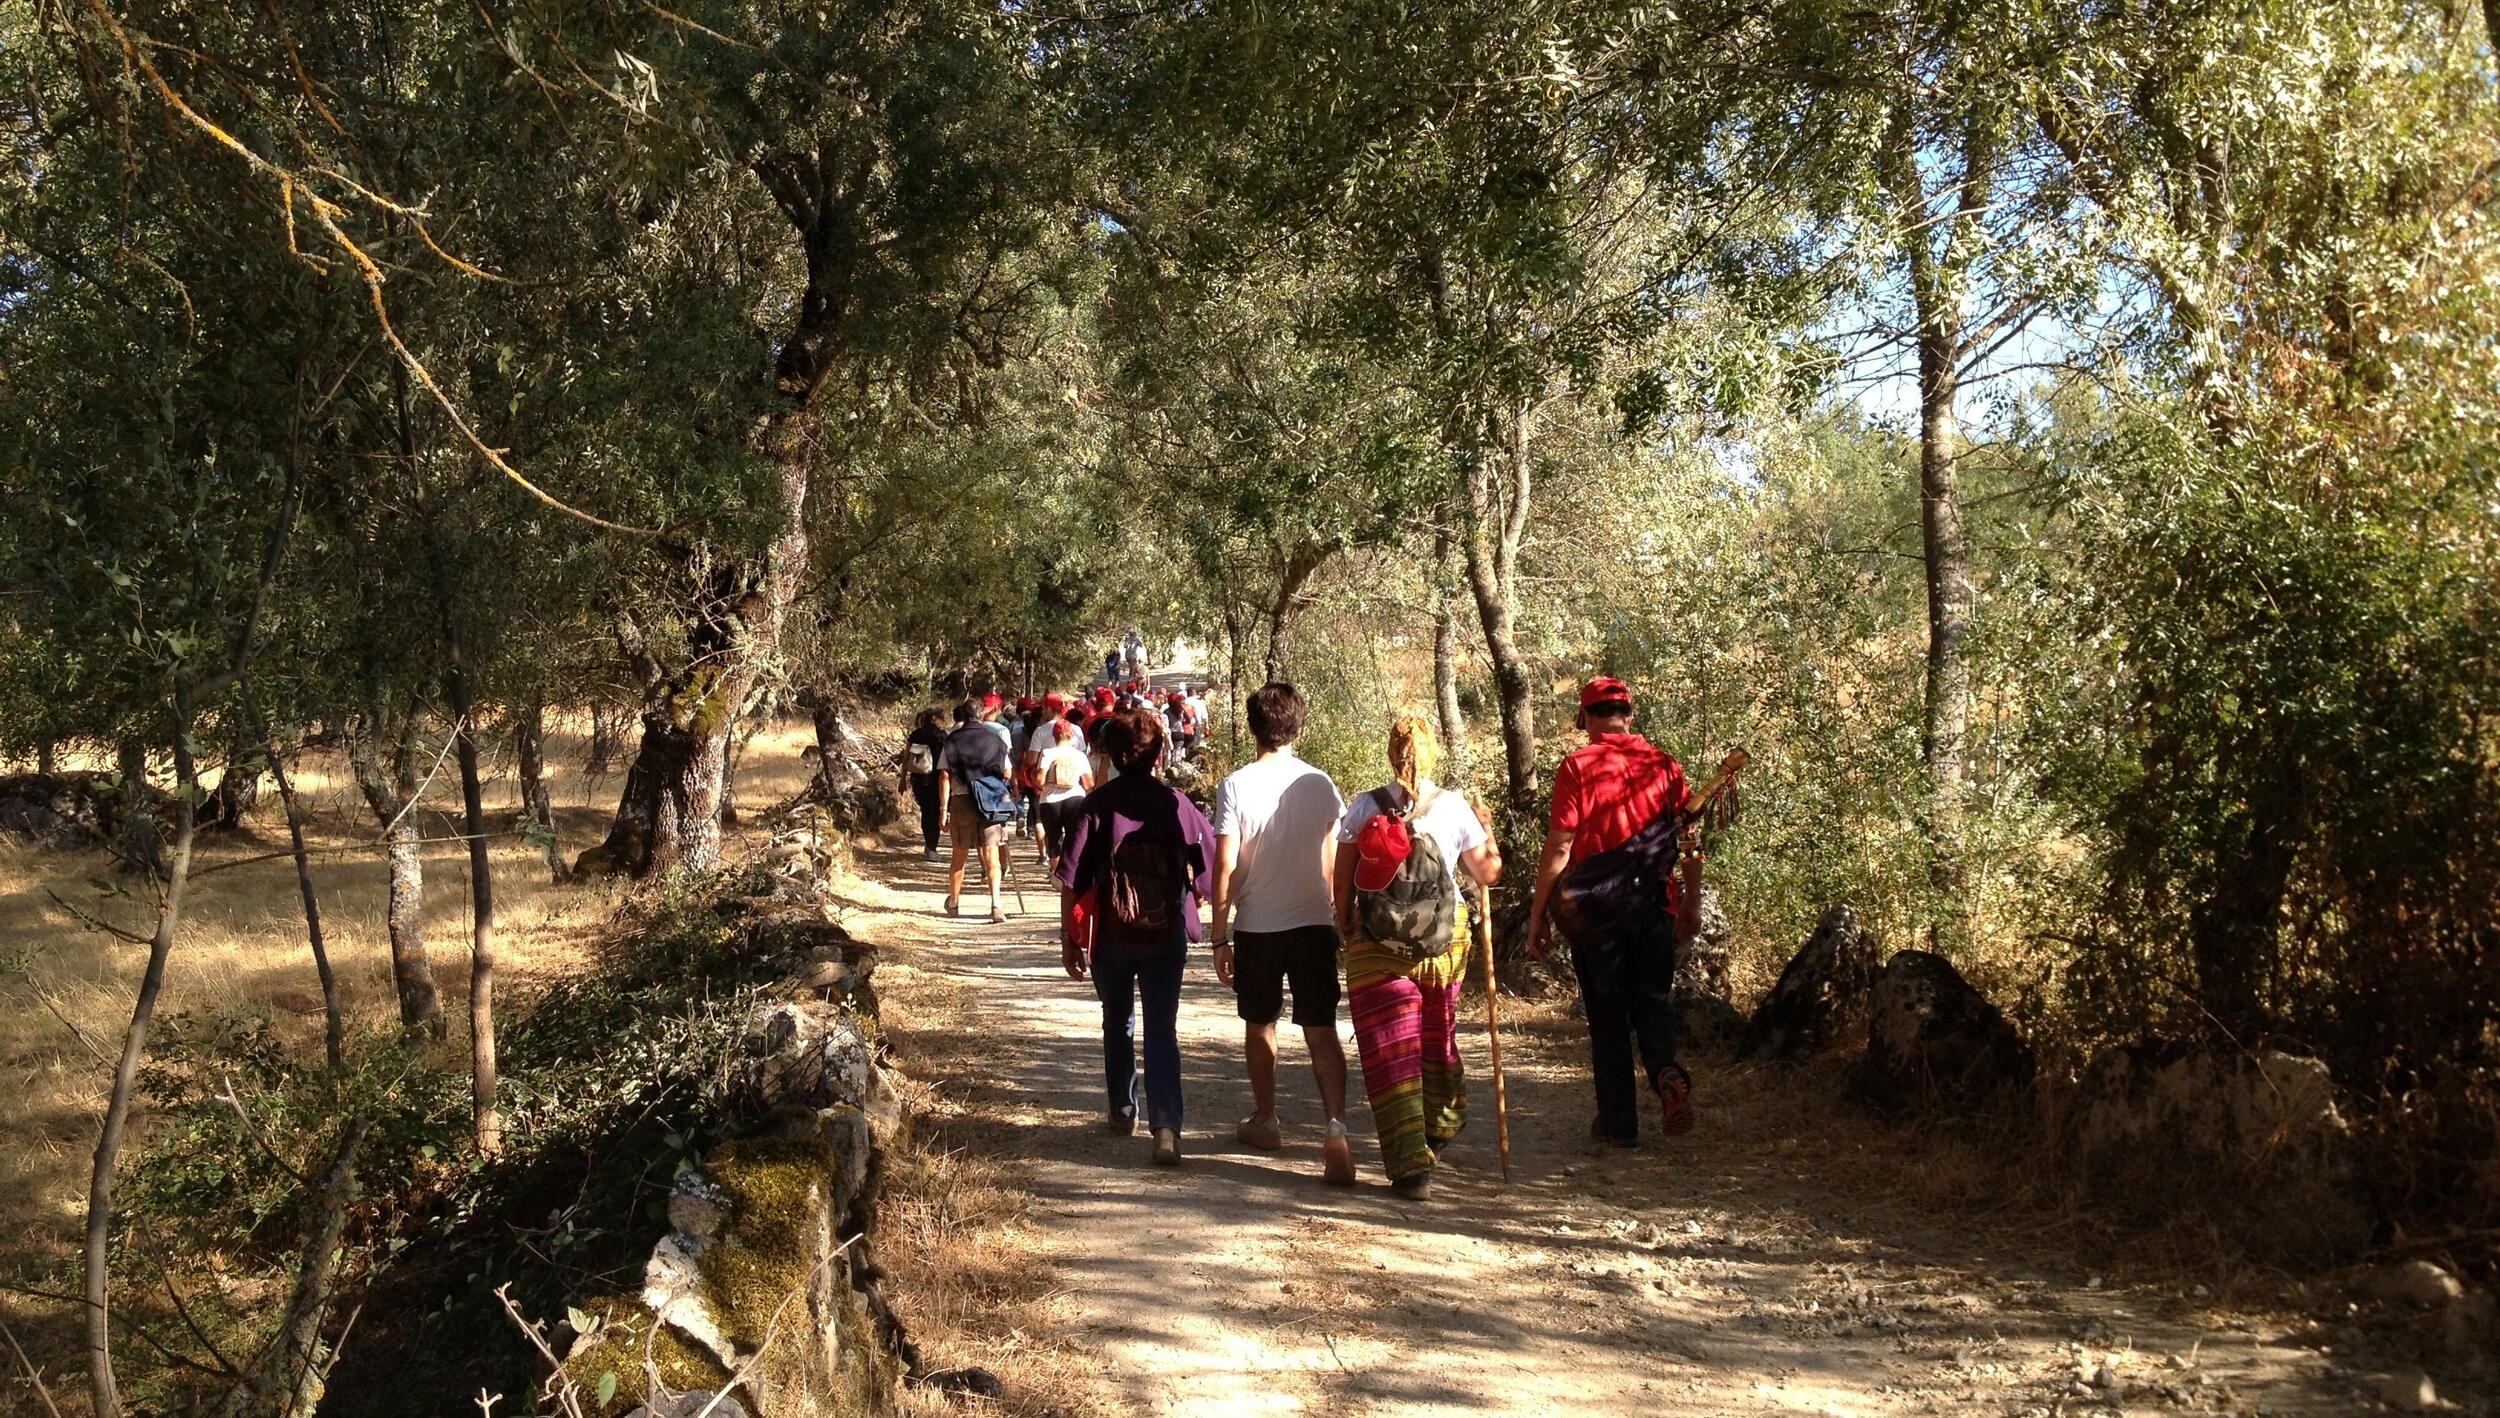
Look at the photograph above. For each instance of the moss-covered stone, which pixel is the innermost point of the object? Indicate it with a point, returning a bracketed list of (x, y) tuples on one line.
[(779, 1225), (625, 1338)]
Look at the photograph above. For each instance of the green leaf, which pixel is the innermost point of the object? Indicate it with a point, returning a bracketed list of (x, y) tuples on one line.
[(607, 1388)]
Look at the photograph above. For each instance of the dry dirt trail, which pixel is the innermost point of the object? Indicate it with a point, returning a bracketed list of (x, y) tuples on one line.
[(1745, 1269)]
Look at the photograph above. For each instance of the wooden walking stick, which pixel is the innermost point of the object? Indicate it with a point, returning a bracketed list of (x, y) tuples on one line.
[(1493, 1025)]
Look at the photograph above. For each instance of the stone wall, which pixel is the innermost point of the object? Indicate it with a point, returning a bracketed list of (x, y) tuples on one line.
[(762, 1299)]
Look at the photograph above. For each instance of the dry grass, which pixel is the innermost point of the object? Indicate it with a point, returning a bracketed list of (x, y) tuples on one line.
[(65, 997)]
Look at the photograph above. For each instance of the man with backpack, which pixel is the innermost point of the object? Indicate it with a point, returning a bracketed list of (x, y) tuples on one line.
[(979, 804), (1275, 827), (1609, 877), (1132, 871)]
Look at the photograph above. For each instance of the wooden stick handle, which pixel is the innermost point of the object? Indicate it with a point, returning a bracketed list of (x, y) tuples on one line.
[(1493, 1026)]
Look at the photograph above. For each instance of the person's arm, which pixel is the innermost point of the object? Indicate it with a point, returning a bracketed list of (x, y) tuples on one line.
[(1483, 861), (1549, 869), (1341, 887), (1227, 857)]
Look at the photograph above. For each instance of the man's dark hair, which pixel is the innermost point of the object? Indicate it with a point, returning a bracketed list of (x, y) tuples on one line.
[(1277, 714), (964, 712), (1133, 740)]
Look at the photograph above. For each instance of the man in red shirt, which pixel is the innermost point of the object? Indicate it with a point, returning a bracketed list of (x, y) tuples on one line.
[(1618, 822)]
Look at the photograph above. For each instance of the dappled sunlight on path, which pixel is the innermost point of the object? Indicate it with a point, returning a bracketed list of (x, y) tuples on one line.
[(1719, 1275)]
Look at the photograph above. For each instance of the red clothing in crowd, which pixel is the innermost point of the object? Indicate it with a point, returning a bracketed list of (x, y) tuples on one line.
[(1612, 788)]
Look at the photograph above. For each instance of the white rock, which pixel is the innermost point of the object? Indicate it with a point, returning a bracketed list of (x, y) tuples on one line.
[(2409, 1391), (2417, 1282)]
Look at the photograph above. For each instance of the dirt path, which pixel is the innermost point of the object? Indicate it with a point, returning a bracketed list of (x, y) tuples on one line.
[(1747, 1269)]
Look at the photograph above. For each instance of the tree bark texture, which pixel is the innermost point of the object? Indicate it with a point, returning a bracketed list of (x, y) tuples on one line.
[(137, 839), (1445, 664), (603, 736), (1284, 613), (1497, 486), (538, 810), (334, 1025), (391, 792), (484, 1117)]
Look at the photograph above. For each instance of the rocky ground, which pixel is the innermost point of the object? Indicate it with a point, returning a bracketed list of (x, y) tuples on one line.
[(1786, 1258)]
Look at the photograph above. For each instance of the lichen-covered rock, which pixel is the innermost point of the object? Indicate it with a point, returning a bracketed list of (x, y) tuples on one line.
[(1701, 968), (805, 1053), (2255, 1141), (1935, 1044), (1824, 985)]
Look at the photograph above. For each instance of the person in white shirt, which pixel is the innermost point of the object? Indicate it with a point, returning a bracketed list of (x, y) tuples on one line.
[(1063, 774), (1275, 921)]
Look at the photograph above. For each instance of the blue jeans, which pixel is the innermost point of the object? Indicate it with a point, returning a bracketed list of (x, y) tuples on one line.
[(1120, 975)]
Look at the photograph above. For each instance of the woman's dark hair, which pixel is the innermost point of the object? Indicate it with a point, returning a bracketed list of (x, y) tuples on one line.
[(929, 719), (1133, 740), (1277, 714)]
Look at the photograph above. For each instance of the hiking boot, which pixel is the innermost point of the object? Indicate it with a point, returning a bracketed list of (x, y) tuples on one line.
[(1337, 1156), (1601, 1140), (1167, 1148), (1261, 1133), (954, 906), (1675, 1101), (1414, 1187), (1122, 1123)]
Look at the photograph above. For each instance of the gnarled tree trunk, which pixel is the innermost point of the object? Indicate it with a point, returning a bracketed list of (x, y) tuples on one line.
[(1497, 486), (538, 810), (1445, 664), (1292, 597)]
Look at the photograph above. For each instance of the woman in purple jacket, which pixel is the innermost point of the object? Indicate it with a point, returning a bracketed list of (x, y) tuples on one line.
[(1138, 861)]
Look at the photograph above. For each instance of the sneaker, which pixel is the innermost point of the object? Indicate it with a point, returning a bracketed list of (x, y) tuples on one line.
[(1122, 1123), (998, 915), (1675, 1101), (1167, 1148), (1337, 1156), (954, 907), (929, 854), (1600, 1139), (1261, 1133), (1414, 1187)]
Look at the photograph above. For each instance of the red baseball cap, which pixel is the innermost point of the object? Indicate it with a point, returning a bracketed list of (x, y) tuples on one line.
[(992, 701), (1054, 701), (1027, 704), (1605, 689), (1102, 694), (1381, 846)]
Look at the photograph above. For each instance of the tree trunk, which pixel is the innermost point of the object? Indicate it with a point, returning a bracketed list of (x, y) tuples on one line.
[(739, 737), (47, 758), (603, 737), (538, 810), (1445, 664), (482, 1111), (334, 1026), (238, 788), (1496, 507), (1285, 612), (392, 795), (140, 845), (827, 718), (105, 1396)]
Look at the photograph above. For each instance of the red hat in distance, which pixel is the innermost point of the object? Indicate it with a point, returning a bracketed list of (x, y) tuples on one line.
[(1054, 701), (1027, 704), (1605, 689), (1103, 695), (992, 701), (1380, 848)]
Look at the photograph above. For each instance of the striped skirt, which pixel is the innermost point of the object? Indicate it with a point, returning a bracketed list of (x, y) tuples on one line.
[(1406, 1031)]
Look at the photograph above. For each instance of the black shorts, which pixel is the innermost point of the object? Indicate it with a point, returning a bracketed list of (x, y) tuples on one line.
[(1263, 961)]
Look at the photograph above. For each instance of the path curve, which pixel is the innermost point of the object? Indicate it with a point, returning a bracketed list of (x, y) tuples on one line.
[(1739, 1271)]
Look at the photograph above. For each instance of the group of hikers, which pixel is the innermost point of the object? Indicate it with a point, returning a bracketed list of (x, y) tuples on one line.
[(1296, 882), (994, 776)]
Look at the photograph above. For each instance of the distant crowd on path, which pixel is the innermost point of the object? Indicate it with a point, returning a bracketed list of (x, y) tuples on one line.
[(1305, 893), (994, 776)]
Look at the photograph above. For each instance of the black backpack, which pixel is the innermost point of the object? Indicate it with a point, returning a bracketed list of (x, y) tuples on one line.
[(1145, 883), (1415, 915), (1609, 891)]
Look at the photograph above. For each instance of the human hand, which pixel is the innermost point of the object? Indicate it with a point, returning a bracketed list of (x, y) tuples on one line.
[(1224, 962), (1072, 959), (1537, 929)]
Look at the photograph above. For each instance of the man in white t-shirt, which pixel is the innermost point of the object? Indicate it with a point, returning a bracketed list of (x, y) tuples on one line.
[(1275, 917)]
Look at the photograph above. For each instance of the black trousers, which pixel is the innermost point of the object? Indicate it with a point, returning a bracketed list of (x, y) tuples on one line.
[(1627, 985), (924, 790)]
